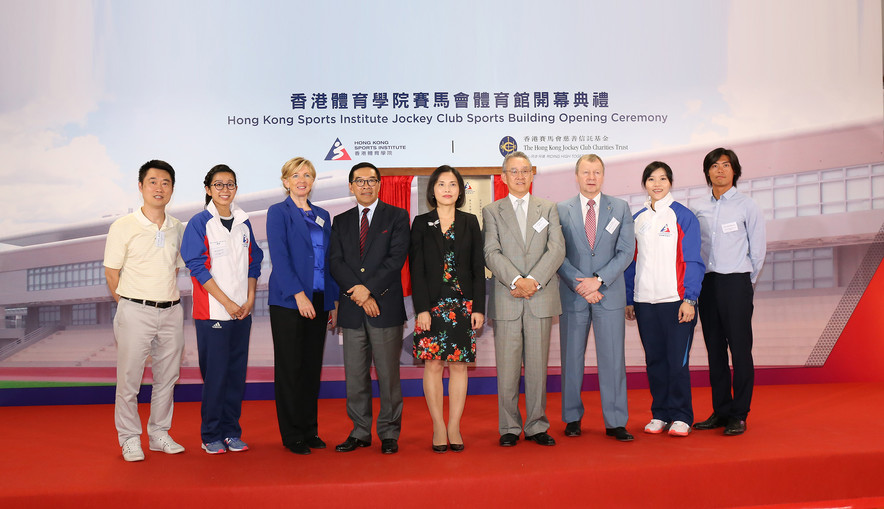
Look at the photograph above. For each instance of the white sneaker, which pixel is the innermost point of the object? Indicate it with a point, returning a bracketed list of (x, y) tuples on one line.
[(132, 449), (679, 429), (164, 443), (655, 426)]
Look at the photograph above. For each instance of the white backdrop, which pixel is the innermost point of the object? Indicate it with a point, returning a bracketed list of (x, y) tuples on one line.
[(92, 89)]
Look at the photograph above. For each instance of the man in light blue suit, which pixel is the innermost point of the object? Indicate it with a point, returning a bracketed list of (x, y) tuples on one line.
[(599, 245)]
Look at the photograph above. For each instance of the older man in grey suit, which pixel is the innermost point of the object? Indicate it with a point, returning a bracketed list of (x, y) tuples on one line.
[(523, 248), (600, 244)]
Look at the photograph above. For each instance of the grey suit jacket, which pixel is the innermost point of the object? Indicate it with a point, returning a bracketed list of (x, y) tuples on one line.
[(508, 256), (614, 250)]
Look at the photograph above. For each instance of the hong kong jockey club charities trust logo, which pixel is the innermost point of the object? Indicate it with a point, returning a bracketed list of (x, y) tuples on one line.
[(337, 152), (508, 145)]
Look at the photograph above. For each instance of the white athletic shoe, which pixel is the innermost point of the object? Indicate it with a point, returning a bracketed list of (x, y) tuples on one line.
[(656, 426), (132, 449), (164, 443), (679, 429)]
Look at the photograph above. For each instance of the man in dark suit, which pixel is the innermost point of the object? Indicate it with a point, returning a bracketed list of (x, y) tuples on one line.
[(369, 244), (599, 245)]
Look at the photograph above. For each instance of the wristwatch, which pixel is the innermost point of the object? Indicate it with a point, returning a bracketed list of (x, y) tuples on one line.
[(689, 301), (599, 278)]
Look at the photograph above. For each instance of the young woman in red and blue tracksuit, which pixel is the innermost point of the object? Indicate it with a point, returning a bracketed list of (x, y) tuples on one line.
[(224, 260), (662, 286)]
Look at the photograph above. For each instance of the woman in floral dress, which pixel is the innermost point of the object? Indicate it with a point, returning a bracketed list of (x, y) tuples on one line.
[(448, 285)]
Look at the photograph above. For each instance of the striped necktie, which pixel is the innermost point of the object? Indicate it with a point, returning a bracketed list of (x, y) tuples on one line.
[(363, 231)]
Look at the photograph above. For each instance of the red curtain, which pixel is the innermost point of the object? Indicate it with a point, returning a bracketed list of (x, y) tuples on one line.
[(396, 191), (500, 189)]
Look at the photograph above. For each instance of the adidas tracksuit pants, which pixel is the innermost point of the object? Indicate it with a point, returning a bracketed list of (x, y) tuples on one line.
[(667, 345), (223, 347)]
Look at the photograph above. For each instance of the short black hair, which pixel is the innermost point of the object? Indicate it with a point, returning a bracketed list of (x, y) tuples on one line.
[(159, 165), (714, 156), (654, 166), (218, 168), (434, 177), (363, 165)]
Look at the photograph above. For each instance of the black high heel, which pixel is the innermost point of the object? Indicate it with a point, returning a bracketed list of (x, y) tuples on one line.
[(442, 448)]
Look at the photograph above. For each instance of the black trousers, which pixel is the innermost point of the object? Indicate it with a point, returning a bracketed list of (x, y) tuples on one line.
[(726, 308), (298, 345)]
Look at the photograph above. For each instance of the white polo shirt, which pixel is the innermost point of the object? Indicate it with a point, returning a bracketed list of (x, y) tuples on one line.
[(147, 256)]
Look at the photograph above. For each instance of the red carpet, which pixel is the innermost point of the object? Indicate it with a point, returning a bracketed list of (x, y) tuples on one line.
[(806, 446)]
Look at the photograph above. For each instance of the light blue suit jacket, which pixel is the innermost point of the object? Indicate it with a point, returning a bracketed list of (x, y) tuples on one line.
[(614, 251)]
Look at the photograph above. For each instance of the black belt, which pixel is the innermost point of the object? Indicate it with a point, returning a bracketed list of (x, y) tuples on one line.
[(154, 304)]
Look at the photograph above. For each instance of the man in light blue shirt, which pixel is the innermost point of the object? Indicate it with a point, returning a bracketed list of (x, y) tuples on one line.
[(733, 248)]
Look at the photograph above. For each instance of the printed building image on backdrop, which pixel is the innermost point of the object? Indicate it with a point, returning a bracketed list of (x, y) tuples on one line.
[(811, 142)]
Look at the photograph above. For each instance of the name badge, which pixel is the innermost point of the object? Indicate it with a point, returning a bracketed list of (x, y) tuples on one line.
[(612, 225), (540, 224), (160, 239), (729, 227), (320, 221), (644, 228), (218, 248)]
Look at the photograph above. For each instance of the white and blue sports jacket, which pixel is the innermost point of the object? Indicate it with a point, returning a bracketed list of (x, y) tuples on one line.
[(228, 257)]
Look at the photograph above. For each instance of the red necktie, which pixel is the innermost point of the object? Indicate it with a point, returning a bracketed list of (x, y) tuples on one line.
[(363, 231), (589, 224)]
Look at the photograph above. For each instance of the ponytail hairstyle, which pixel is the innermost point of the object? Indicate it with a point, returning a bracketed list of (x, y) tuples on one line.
[(218, 168)]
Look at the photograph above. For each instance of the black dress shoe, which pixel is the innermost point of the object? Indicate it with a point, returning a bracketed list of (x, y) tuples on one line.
[(508, 439), (440, 448), (389, 446), (299, 447), (351, 444), (315, 442), (541, 438), (456, 447), (572, 429), (620, 434), (735, 427), (714, 421)]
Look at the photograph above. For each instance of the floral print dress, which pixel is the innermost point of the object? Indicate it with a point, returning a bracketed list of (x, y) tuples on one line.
[(451, 337)]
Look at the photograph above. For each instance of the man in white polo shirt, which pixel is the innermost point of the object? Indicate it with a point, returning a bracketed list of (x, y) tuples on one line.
[(141, 263)]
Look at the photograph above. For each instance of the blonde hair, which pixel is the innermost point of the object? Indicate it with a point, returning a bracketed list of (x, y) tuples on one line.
[(590, 158), (293, 165)]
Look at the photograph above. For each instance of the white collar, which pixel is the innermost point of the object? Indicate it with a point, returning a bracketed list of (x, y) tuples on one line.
[(238, 214), (584, 201), (513, 199), (139, 215), (371, 208)]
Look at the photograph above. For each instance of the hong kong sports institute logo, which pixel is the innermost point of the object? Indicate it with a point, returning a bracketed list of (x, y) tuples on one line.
[(337, 152), (508, 146)]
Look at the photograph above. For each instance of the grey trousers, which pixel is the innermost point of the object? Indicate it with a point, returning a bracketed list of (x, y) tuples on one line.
[(524, 340), (609, 330), (143, 331), (360, 347)]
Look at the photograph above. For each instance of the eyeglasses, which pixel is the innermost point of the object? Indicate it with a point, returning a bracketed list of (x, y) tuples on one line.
[(221, 185), (362, 182), (519, 173)]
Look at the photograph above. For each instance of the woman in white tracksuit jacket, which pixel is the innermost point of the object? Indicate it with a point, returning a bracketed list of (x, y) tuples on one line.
[(224, 260), (662, 287)]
